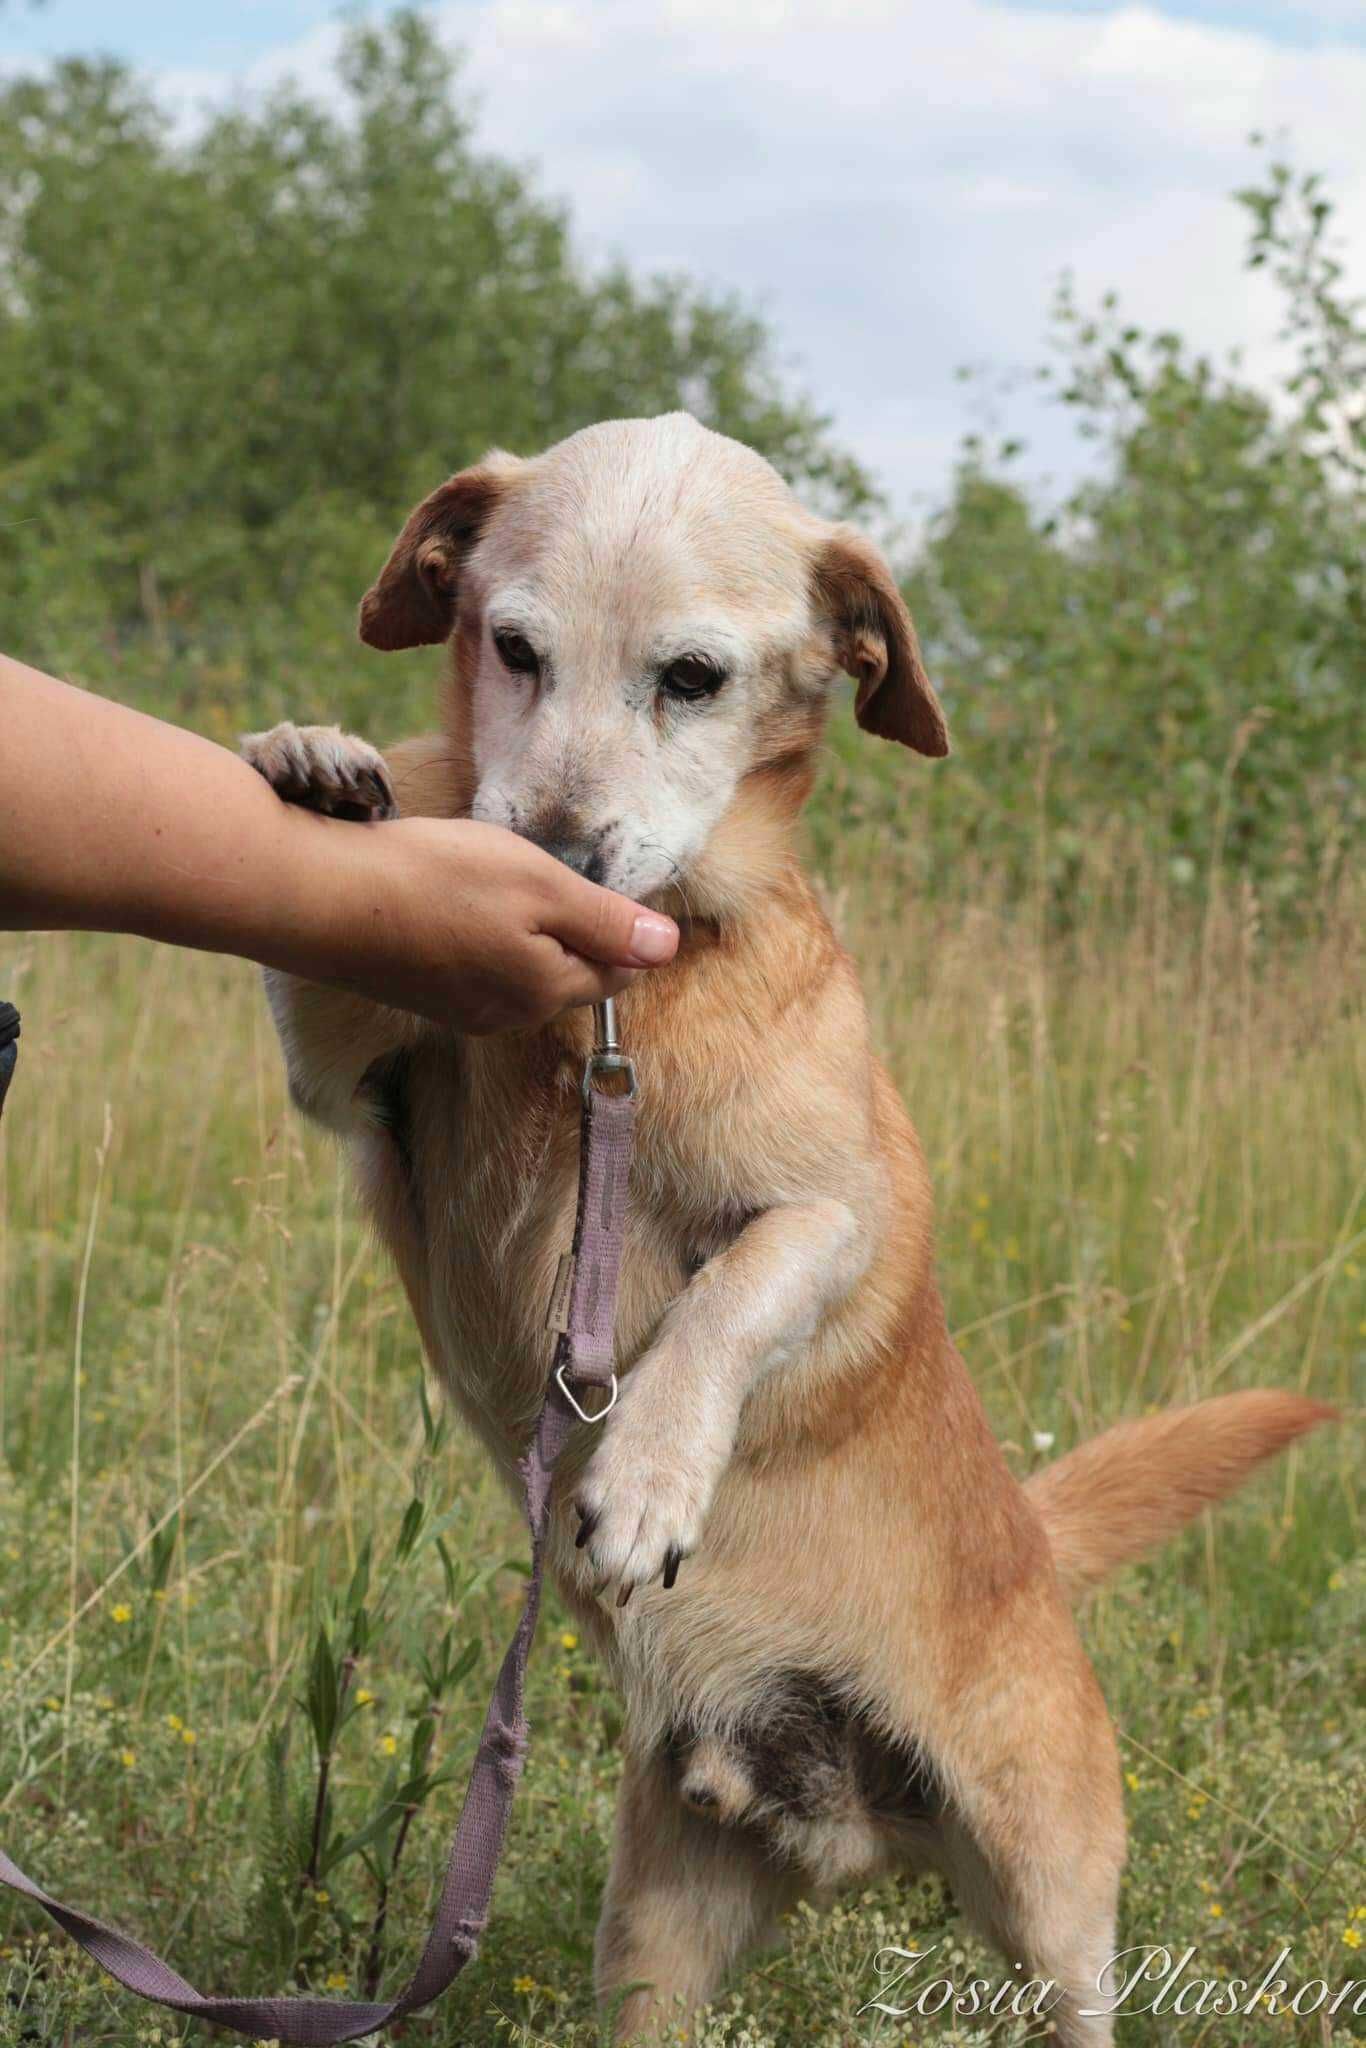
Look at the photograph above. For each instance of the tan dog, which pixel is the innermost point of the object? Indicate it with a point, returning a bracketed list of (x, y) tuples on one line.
[(868, 1659)]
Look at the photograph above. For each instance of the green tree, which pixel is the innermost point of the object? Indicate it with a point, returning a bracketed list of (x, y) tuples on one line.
[(228, 365), (1176, 653)]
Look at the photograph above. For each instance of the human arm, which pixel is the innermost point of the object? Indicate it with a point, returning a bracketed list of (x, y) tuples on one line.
[(114, 821)]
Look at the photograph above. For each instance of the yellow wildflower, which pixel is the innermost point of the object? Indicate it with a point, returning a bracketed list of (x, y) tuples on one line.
[(1360, 1913), (1197, 1806), (53, 1704), (569, 1641), (1132, 1780), (1352, 1937), (1216, 1910), (128, 1757), (174, 1721), (388, 1745), (364, 1698), (121, 1613), (337, 1980), (322, 1898), (1336, 1582), (188, 1737), (524, 1986)]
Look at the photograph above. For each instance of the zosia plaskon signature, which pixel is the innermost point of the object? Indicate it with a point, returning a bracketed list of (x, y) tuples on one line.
[(1147, 1978)]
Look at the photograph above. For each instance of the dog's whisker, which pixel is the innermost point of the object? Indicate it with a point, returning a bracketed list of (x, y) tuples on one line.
[(677, 876)]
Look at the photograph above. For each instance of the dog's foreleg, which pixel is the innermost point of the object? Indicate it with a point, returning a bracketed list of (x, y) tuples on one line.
[(646, 1491), (331, 1038), (330, 1041)]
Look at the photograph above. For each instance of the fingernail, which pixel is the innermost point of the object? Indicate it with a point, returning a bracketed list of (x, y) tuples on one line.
[(653, 939)]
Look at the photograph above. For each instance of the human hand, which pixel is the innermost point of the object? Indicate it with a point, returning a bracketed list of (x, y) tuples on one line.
[(475, 928), (461, 922), (119, 822)]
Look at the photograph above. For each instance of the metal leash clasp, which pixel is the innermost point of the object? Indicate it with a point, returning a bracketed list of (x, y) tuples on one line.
[(607, 1056)]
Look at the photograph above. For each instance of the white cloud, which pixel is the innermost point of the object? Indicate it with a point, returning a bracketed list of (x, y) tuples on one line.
[(900, 185), (1332, 13)]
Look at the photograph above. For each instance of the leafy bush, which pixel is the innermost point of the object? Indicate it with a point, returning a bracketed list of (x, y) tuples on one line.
[(229, 364), (1177, 650)]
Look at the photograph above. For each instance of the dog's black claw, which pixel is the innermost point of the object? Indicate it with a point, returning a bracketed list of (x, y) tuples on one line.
[(587, 1524), (671, 1564), (624, 1595), (377, 789)]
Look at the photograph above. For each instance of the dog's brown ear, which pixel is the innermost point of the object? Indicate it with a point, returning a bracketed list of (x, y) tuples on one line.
[(876, 644), (412, 602)]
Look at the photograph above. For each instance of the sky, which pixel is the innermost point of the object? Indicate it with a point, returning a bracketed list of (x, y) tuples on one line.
[(896, 185)]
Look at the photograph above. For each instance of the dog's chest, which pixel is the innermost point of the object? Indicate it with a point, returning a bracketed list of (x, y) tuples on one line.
[(472, 1177)]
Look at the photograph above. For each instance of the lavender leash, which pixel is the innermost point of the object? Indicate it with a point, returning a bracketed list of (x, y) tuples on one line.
[(583, 1361)]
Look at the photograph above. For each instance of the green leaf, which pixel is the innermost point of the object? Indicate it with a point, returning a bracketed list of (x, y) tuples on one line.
[(412, 1527)]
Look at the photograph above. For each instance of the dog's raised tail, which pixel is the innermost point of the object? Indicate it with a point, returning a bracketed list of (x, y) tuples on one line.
[(1120, 1494)]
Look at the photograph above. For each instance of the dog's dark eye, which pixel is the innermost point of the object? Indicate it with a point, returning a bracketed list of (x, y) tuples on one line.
[(692, 677), (517, 653)]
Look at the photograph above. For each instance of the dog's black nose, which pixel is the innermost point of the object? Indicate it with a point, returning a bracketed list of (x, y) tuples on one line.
[(585, 856)]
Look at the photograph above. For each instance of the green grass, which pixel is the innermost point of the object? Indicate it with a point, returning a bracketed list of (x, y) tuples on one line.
[(1146, 1145)]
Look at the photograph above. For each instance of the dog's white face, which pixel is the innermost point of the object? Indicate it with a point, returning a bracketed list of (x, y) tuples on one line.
[(640, 598), (642, 617)]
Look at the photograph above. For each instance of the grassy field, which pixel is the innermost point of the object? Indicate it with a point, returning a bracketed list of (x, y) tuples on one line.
[(1146, 1140)]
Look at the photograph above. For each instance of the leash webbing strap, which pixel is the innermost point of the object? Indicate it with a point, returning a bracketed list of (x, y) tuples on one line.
[(583, 1357)]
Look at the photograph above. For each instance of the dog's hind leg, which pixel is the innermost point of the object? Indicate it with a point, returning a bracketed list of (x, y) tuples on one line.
[(1036, 1865), (685, 1898), (1054, 1929)]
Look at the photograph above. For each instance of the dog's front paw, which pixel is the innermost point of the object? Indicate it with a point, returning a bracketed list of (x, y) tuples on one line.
[(645, 1493), (323, 769)]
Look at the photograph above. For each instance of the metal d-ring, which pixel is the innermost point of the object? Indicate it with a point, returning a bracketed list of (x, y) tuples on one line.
[(582, 1413)]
